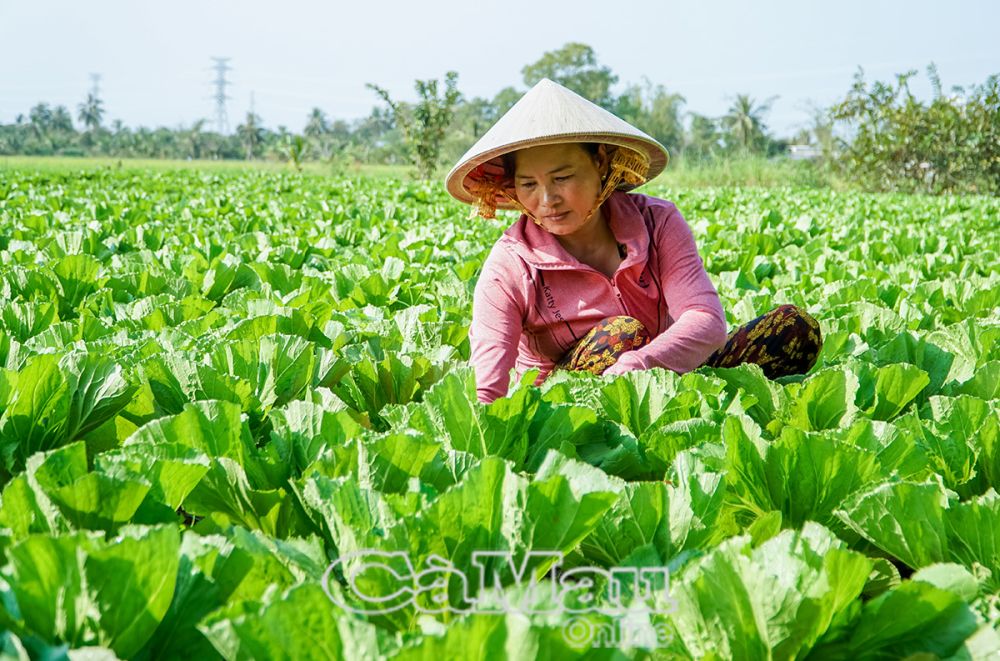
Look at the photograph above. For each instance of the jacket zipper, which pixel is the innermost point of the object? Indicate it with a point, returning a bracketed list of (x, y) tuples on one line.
[(618, 295), (614, 289)]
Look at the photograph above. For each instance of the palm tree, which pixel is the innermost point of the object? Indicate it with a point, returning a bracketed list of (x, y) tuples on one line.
[(164, 142), (143, 142), (40, 117), (251, 134), (119, 140), (317, 124), (194, 139), (745, 120), (91, 112), (317, 133), (295, 149), (61, 120)]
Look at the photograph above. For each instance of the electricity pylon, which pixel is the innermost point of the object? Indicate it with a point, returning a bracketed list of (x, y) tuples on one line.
[(221, 119)]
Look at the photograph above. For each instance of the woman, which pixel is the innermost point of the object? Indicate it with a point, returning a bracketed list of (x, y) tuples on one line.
[(591, 277)]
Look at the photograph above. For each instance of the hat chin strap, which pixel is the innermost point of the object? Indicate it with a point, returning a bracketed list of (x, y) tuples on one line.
[(485, 195), (627, 165)]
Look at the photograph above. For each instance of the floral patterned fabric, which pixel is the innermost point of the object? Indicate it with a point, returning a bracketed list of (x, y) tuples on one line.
[(600, 348), (784, 341)]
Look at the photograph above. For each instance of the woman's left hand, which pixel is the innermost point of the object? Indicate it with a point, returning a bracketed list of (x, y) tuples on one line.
[(616, 369)]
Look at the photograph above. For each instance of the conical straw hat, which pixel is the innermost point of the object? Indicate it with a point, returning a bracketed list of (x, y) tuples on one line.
[(551, 114)]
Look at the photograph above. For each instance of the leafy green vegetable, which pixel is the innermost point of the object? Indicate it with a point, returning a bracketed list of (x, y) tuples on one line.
[(81, 590), (275, 364)]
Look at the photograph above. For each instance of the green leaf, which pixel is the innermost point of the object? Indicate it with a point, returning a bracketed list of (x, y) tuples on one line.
[(973, 530), (48, 585), (825, 401), (985, 383), (172, 469), (176, 381), (24, 320), (302, 623), (100, 391), (904, 519), (133, 583), (639, 518), (961, 428), (78, 277), (395, 458), (937, 622), (99, 502), (212, 427), (557, 426), (37, 416), (951, 578), (768, 396), (451, 412), (226, 491), (895, 387), (662, 444), (639, 398), (302, 430), (278, 367), (564, 503), (775, 601), (226, 274), (223, 576), (83, 591), (666, 517), (804, 476), (905, 348)]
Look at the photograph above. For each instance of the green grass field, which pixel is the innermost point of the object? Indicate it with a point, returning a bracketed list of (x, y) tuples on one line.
[(749, 171), (62, 164)]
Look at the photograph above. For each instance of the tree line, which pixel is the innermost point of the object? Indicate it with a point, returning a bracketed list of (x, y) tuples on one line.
[(879, 135), (381, 137)]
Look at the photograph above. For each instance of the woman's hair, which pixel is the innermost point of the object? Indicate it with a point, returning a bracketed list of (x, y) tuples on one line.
[(509, 158)]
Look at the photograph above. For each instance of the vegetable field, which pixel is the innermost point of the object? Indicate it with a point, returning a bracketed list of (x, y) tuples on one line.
[(237, 422)]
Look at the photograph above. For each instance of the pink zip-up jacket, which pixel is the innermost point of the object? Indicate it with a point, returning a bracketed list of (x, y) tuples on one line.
[(534, 300)]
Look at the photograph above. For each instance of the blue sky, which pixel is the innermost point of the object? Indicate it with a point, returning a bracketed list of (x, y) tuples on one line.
[(292, 55)]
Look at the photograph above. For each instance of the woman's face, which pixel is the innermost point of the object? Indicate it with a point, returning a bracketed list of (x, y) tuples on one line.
[(559, 184)]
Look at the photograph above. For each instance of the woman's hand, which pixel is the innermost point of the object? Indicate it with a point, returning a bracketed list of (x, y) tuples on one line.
[(614, 370), (617, 368)]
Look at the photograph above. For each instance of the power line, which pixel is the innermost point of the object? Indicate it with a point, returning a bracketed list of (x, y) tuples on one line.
[(221, 118)]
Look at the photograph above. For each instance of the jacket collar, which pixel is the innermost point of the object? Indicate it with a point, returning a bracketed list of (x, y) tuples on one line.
[(541, 250)]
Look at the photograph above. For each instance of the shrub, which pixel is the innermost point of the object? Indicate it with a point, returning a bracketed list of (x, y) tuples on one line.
[(897, 142)]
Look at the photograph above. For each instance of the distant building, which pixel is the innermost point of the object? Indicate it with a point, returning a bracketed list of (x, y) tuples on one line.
[(804, 152)]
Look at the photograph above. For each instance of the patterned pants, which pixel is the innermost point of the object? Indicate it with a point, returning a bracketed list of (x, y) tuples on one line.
[(783, 342)]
